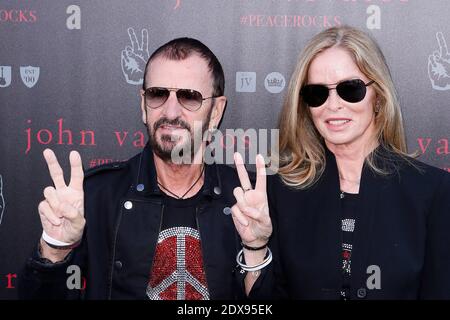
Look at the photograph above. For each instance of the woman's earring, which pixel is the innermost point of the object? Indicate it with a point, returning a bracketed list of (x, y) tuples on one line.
[(377, 106)]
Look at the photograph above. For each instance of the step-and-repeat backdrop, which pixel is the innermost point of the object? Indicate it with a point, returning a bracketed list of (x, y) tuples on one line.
[(70, 74)]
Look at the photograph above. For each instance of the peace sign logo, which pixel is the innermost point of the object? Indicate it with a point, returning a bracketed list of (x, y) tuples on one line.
[(177, 270)]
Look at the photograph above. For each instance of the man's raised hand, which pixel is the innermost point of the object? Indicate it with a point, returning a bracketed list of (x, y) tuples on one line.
[(251, 211), (62, 210)]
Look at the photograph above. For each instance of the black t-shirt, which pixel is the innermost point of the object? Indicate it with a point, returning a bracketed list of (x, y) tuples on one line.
[(349, 210), (177, 269), (179, 212)]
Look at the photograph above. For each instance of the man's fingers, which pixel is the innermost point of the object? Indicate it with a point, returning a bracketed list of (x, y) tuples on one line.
[(242, 172), (260, 174), (76, 171), (54, 168), (46, 211), (253, 213), (240, 198), (70, 212), (239, 216), (242, 205), (53, 201)]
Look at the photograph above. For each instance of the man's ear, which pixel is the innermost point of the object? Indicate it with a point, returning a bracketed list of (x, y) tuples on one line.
[(217, 111), (143, 109)]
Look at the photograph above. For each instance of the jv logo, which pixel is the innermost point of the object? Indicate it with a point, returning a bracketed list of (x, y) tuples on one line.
[(439, 65), (134, 58), (5, 76), (29, 75), (274, 82), (245, 81)]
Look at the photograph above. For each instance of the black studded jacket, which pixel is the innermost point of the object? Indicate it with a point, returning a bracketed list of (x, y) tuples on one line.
[(123, 211)]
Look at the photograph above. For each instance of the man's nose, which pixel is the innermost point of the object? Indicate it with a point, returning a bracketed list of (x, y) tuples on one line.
[(172, 107)]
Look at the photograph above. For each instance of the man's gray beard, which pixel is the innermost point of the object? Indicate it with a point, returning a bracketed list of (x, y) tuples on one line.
[(165, 153)]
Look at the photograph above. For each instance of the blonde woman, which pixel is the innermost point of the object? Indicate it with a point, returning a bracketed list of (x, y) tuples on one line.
[(354, 216)]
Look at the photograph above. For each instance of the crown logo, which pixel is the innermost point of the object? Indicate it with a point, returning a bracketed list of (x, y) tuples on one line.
[(274, 82)]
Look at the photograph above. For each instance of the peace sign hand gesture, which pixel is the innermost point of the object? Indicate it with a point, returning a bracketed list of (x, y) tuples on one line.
[(251, 212), (439, 65), (62, 211), (134, 58)]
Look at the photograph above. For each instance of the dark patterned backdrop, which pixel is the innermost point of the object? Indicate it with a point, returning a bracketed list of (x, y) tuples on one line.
[(70, 74)]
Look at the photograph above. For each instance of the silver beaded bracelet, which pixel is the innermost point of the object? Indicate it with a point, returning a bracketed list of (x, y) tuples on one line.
[(257, 267)]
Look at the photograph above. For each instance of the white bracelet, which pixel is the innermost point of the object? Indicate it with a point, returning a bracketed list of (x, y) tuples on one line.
[(52, 242), (256, 267)]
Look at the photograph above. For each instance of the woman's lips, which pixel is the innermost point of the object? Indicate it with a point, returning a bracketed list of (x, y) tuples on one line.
[(337, 124)]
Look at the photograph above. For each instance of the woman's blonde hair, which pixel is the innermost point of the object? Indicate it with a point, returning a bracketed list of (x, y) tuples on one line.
[(302, 149)]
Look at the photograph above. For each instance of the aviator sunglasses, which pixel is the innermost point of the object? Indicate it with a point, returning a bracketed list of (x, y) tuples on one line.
[(190, 99), (351, 91)]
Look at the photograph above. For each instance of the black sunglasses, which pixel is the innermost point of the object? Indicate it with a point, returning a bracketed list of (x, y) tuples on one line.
[(190, 99), (351, 91)]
